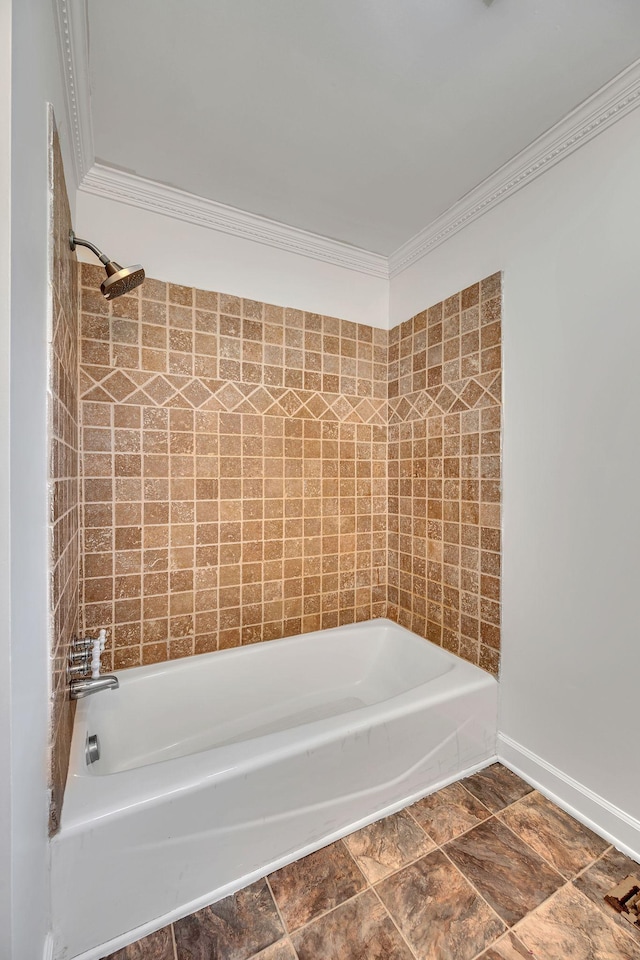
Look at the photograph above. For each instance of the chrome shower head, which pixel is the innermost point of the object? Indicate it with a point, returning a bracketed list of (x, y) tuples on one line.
[(120, 280)]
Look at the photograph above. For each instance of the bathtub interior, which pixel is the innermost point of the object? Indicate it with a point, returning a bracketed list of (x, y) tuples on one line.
[(179, 709)]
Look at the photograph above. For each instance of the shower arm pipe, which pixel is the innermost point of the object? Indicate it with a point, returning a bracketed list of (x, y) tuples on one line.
[(77, 242)]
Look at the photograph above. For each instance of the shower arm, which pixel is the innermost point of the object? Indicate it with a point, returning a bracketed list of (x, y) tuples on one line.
[(77, 242)]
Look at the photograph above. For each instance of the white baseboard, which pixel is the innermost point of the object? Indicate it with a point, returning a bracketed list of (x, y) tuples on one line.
[(47, 953), (612, 823)]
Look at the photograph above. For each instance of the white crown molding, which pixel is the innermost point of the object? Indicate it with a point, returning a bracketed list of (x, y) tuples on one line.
[(73, 42), (171, 202), (609, 104)]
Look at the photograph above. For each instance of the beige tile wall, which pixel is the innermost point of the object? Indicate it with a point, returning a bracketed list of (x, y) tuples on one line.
[(234, 471), (235, 459), (444, 473), (64, 538)]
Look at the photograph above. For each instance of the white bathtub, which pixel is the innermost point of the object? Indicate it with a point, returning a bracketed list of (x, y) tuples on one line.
[(217, 769)]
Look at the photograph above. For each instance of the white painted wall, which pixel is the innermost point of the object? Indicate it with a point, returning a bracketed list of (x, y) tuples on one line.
[(5, 503), (36, 79), (568, 245), (199, 257)]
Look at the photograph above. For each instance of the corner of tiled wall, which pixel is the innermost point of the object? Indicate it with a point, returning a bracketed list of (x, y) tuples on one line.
[(444, 417), (64, 505)]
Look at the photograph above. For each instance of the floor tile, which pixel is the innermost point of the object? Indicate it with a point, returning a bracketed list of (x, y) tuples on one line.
[(566, 844), (358, 930), (509, 948), (596, 882), (497, 786), (282, 950), (508, 873), (570, 927), (387, 845), (232, 929), (319, 882), (439, 913), (449, 812), (157, 946)]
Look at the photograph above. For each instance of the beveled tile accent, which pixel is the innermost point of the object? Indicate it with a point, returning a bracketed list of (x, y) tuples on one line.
[(317, 883), (438, 911), (385, 846), (448, 812), (599, 879), (356, 930), (157, 946), (497, 787), (232, 929), (511, 877), (570, 927), (563, 842), (509, 948)]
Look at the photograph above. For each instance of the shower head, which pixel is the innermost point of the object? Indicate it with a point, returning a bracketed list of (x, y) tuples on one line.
[(120, 280)]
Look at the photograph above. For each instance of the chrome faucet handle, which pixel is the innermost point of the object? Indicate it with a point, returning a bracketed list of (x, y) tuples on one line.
[(80, 656), (77, 670), (79, 663), (81, 643)]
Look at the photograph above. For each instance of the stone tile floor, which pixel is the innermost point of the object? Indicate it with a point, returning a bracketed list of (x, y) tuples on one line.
[(485, 868)]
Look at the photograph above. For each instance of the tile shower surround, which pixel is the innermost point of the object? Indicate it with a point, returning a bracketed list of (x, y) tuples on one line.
[(444, 473), (63, 440), (252, 472)]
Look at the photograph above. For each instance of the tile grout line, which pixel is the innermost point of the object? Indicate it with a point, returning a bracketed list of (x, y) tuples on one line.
[(593, 863), (569, 879), (479, 894), (287, 933), (498, 816), (325, 913), (174, 942), (395, 924), (515, 928), (417, 860), (455, 835), (369, 886)]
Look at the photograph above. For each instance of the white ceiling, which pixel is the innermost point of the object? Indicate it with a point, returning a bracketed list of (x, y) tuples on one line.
[(360, 120)]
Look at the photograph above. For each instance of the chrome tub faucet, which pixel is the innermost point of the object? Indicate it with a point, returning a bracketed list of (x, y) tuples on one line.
[(85, 658), (84, 688)]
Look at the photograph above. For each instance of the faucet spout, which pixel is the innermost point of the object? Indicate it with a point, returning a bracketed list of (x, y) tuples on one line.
[(84, 688)]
